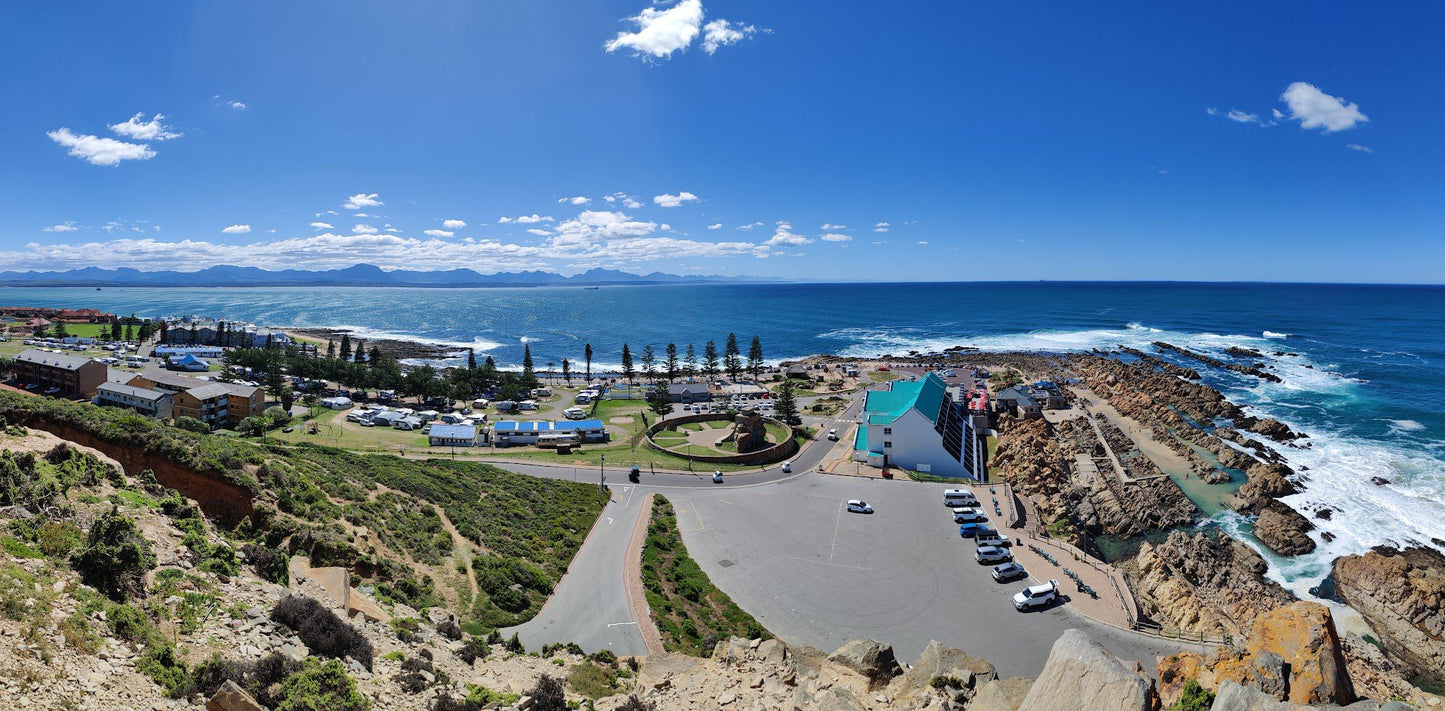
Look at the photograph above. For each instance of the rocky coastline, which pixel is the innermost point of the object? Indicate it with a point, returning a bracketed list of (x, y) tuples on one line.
[(396, 348)]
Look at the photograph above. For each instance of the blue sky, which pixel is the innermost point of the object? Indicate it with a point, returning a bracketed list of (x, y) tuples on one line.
[(820, 140)]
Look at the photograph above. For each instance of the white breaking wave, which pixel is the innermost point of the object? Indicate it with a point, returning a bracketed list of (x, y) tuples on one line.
[(1406, 425), (481, 345), (1276, 334)]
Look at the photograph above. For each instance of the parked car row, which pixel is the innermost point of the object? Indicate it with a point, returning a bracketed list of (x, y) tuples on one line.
[(991, 548)]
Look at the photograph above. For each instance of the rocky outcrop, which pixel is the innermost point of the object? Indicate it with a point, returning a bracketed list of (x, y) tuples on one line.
[(938, 660), (1268, 427), (1001, 695), (1237, 697), (1195, 583), (1082, 675), (1401, 594), (1267, 480), (873, 659), (1292, 654), (1284, 530), (1254, 370)]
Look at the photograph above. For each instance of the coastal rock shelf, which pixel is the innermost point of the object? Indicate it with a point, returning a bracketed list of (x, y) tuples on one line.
[(1401, 593)]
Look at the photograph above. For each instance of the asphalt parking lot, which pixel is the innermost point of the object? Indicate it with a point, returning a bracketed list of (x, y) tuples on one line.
[(814, 574)]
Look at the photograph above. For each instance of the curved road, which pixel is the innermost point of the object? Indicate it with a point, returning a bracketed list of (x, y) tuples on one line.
[(783, 547)]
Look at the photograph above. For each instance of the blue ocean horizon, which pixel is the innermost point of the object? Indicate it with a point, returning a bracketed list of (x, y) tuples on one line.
[(1367, 381)]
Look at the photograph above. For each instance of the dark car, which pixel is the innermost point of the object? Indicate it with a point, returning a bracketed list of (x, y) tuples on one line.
[(635, 475)]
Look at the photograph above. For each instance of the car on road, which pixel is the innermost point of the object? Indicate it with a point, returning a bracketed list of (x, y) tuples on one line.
[(969, 516), (787, 467), (289, 430), (969, 530), (833, 434), (1036, 596), (1008, 571), (717, 477), (859, 506), (992, 554)]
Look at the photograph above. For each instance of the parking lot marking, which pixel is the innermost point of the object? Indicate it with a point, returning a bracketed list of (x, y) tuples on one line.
[(836, 523), (692, 509), (824, 562)]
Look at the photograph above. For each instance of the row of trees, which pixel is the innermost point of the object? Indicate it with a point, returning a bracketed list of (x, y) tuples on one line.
[(125, 328), (671, 367)]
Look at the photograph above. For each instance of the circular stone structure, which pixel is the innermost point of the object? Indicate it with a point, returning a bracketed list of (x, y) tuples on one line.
[(773, 453)]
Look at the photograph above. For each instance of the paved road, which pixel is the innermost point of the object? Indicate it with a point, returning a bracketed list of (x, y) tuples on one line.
[(590, 605)]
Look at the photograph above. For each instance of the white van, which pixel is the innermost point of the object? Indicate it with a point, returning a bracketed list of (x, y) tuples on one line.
[(959, 497), (574, 413)]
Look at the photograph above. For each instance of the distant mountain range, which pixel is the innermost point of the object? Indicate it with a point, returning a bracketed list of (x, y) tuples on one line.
[(359, 275)]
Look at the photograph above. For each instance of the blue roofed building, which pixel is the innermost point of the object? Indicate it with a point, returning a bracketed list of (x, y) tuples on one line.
[(452, 436), (917, 425), (516, 433)]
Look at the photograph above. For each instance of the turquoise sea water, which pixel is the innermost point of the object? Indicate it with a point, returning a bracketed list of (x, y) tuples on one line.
[(1368, 383)]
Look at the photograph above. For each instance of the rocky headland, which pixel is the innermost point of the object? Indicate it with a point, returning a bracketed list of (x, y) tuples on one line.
[(1401, 594)]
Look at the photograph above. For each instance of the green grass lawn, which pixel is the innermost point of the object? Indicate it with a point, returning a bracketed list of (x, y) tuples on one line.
[(882, 376), (618, 457), (776, 433), (334, 431), (691, 426)]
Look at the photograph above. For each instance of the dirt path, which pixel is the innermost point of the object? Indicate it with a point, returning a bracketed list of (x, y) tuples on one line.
[(459, 542), (1167, 459)]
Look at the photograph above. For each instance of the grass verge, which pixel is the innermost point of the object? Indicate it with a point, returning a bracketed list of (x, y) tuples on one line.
[(692, 614)]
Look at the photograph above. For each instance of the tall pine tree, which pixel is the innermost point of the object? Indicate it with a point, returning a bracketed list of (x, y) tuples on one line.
[(732, 357)]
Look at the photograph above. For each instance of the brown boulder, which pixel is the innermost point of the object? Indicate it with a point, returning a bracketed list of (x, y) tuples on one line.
[(232, 698), (1284, 530), (1266, 480), (870, 658), (1303, 636)]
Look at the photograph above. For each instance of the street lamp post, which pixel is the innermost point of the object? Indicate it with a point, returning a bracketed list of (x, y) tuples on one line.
[(602, 475)]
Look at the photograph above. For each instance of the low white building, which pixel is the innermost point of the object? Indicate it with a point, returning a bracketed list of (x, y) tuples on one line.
[(153, 403)]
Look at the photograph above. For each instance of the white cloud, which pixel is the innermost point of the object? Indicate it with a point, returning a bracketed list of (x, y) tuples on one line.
[(1277, 114), (364, 229), (750, 227), (230, 103), (719, 33), (539, 232), (785, 238), (835, 237), (100, 151), (661, 32), (833, 227), (1241, 117), (322, 225), (434, 233), (881, 227), (1211, 111), (1315, 109), (454, 224), (715, 226), (66, 226), (236, 230), (577, 200), (152, 130), (627, 201), (531, 219), (923, 242), (1360, 148), (362, 200), (666, 200)]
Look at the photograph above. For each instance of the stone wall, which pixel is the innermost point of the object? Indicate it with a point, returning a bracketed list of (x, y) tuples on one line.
[(771, 455)]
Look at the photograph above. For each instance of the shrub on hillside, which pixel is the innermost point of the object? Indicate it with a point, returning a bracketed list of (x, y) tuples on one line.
[(321, 630), (321, 686), (548, 695), (269, 563), (473, 649), (115, 557), (191, 424)]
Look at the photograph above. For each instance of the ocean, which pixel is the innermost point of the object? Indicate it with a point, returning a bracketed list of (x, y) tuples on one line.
[(1368, 384)]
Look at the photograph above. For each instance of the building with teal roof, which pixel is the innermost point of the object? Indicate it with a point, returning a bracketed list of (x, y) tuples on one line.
[(916, 425)]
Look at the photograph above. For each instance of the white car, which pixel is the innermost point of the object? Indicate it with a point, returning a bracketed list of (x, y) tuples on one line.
[(969, 516), (1008, 571), (992, 554), (833, 434), (859, 506), (1037, 596), (787, 467)]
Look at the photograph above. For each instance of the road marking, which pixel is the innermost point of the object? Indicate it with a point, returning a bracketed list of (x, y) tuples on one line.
[(615, 624), (824, 562), (836, 523), (609, 520)]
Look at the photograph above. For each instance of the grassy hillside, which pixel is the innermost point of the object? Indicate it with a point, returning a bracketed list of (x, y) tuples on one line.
[(488, 543)]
